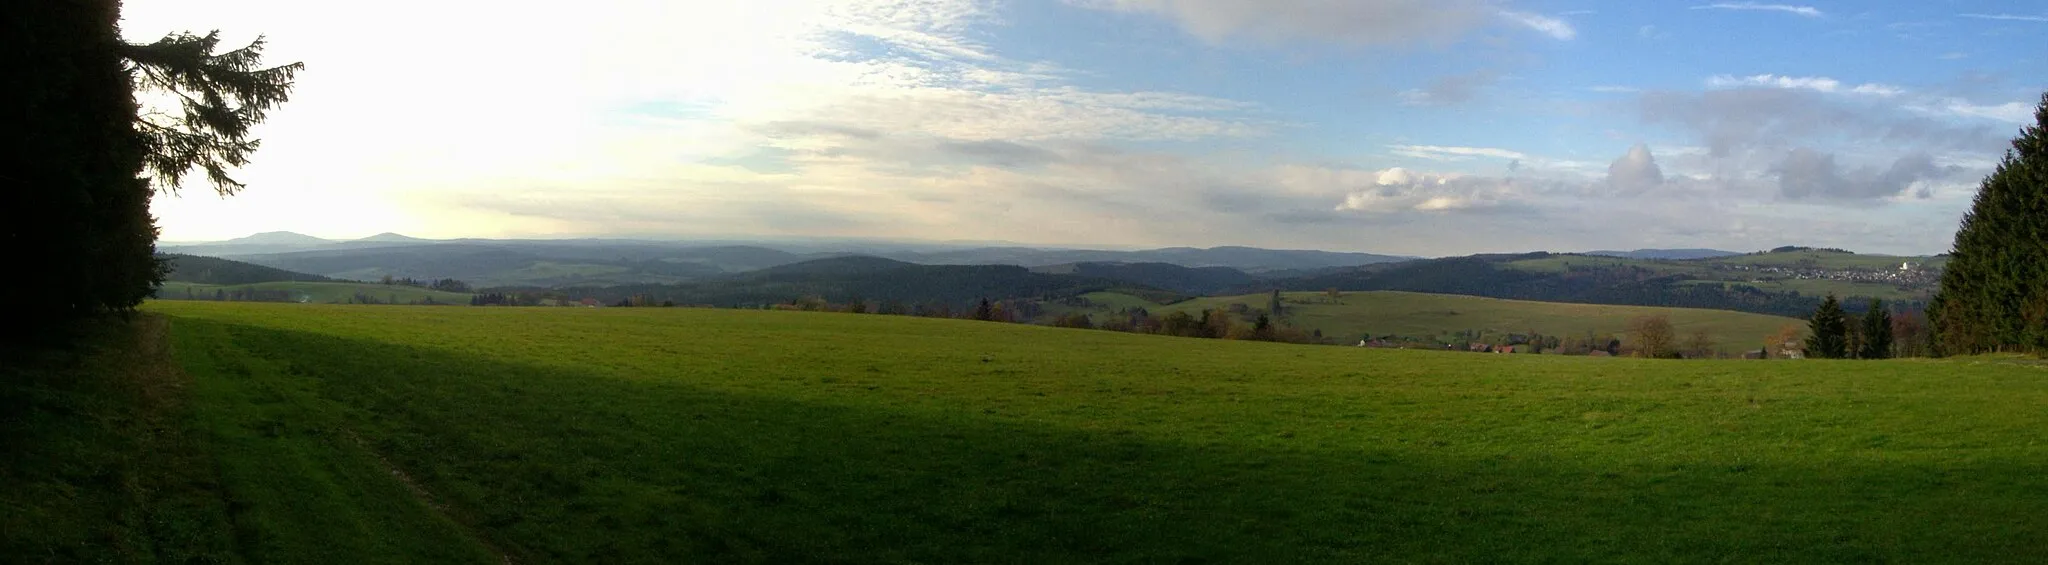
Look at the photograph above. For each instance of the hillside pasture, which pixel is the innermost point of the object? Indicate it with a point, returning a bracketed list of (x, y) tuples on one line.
[(693, 435), (1817, 259), (1355, 314)]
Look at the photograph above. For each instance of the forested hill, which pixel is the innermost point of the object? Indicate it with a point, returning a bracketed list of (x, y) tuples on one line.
[(214, 270), (1191, 280), (1725, 284), (847, 279)]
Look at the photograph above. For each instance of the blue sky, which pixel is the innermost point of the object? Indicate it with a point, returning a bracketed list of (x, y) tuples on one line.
[(1399, 126)]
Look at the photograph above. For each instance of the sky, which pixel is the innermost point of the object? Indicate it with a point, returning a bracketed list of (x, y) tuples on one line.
[(1419, 127)]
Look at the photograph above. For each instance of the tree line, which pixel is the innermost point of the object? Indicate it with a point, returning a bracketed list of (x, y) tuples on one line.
[(1994, 291)]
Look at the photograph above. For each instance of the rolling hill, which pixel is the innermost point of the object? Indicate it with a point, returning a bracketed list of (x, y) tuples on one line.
[(1188, 280), (1665, 253), (1783, 283), (846, 279), (312, 292), (1354, 315), (690, 435), (214, 270), (566, 262), (1788, 281), (1437, 317)]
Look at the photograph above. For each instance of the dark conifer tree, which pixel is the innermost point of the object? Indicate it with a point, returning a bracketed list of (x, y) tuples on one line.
[(1994, 291), (984, 311), (221, 95), (1828, 331), (78, 214), (1877, 333)]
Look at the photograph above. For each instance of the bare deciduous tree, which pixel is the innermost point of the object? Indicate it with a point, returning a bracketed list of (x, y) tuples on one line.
[(1653, 336)]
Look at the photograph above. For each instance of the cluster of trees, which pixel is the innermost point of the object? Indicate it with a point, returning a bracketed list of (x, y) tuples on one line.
[(1654, 337), (1994, 291), (445, 285), (240, 295), (1833, 335), (88, 159), (493, 299), (1229, 323), (392, 298)]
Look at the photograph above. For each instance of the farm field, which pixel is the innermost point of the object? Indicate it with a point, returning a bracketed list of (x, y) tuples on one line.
[(318, 292), (683, 435), (1744, 270), (1415, 314)]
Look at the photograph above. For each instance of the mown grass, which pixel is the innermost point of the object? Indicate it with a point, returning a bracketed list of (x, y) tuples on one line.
[(319, 292), (683, 435), (100, 462), (1413, 314), (113, 456)]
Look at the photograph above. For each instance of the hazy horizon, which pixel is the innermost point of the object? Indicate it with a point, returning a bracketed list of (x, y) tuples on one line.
[(829, 241), (1403, 127)]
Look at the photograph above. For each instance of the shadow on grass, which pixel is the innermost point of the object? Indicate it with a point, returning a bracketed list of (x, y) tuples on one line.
[(584, 466), (96, 461)]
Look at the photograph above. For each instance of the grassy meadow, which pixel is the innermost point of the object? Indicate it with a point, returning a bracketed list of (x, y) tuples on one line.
[(1415, 314), (359, 434)]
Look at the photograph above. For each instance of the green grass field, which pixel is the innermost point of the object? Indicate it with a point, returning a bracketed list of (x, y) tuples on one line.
[(1417, 314), (319, 292), (360, 434)]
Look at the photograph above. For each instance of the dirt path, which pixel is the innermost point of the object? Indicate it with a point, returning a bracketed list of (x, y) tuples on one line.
[(163, 386), (426, 497)]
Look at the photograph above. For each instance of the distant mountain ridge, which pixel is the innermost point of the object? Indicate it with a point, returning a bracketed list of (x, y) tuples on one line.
[(390, 237), (489, 262), (862, 278), (1785, 281), (1248, 259), (278, 238)]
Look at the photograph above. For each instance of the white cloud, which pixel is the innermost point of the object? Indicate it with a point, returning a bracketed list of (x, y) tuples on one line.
[(882, 119), (2015, 112), (1817, 84), (2006, 17), (625, 93), (1877, 90), (1353, 22), (1401, 190), (1554, 27), (1636, 171), (1449, 90), (1822, 84), (1444, 153), (1808, 11)]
